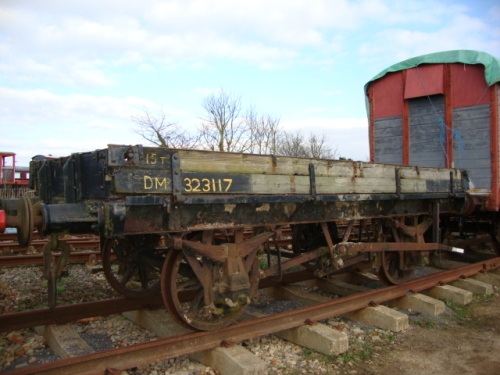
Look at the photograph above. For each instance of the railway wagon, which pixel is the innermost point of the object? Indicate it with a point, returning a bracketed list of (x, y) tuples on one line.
[(443, 110), (440, 110), (203, 228), (13, 178)]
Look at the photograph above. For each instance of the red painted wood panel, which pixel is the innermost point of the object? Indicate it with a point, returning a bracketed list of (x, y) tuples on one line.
[(388, 96), (493, 202), (424, 80), (469, 86)]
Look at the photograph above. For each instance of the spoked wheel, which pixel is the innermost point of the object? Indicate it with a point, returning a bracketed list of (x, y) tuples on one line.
[(132, 265), (186, 299), (392, 270)]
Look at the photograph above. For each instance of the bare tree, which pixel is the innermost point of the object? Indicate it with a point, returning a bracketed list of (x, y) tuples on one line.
[(291, 144), (160, 132), (224, 129), (294, 144), (317, 147), (264, 132)]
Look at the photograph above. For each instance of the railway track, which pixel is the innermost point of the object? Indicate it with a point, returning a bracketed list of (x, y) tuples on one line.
[(12, 254), (141, 354), (9, 244)]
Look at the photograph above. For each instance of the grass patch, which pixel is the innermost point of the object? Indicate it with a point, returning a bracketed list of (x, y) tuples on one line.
[(358, 352), (424, 323), (306, 353), (464, 313)]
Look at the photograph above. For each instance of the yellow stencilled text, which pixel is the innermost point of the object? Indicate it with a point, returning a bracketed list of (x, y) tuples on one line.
[(155, 183), (155, 159), (207, 185)]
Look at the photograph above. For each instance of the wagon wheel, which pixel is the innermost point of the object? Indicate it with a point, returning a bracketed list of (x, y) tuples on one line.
[(391, 270), (132, 265), (25, 217), (184, 295)]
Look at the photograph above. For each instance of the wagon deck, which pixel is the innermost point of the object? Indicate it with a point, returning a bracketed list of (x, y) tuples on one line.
[(145, 189)]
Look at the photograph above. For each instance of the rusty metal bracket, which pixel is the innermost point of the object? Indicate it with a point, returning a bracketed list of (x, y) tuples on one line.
[(219, 253), (177, 188), (436, 231), (312, 181), (363, 247), (416, 231), (295, 261), (335, 257), (348, 231), (52, 272), (452, 186), (398, 184)]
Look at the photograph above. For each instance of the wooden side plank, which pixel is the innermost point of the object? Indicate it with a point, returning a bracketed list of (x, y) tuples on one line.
[(203, 172)]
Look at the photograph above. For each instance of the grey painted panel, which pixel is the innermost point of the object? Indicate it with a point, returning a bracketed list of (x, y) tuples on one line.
[(471, 112), (473, 164), (471, 149), (386, 132), (389, 140), (426, 148), (390, 159)]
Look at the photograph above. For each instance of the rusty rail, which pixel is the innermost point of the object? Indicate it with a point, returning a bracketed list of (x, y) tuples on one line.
[(68, 313), (142, 354), (37, 259), (74, 243)]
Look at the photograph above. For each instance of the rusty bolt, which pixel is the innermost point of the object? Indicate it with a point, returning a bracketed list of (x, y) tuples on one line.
[(227, 343)]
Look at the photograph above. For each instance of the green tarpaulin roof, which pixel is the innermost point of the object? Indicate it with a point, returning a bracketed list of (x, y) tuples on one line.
[(491, 64)]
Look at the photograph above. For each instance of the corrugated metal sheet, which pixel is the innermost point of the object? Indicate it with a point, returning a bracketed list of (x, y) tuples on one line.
[(426, 147), (389, 140), (471, 151)]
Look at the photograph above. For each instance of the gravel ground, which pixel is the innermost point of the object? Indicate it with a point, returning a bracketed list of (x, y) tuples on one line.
[(23, 288)]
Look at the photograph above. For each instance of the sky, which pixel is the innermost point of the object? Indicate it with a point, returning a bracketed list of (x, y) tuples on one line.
[(74, 73)]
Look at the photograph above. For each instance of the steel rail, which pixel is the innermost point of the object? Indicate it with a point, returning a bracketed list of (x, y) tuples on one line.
[(76, 243), (68, 313), (145, 353), (37, 259)]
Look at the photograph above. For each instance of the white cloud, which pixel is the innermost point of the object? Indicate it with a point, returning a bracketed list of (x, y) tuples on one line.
[(49, 48), (461, 32), (41, 122), (52, 39)]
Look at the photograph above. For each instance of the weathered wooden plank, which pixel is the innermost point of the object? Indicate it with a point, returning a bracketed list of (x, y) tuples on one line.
[(259, 164), (212, 162), (204, 172)]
